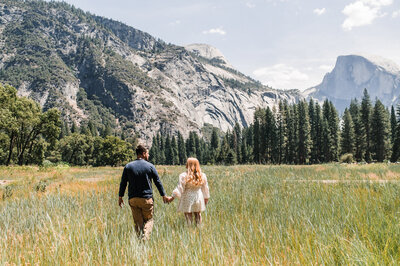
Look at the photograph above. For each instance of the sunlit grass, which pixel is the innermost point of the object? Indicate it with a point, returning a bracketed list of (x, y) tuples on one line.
[(256, 215)]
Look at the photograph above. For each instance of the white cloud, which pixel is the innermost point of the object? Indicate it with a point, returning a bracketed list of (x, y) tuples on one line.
[(396, 14), (218, 30), (250, 5), (325, 67), (363, 12), (319, 11), (281, 76)]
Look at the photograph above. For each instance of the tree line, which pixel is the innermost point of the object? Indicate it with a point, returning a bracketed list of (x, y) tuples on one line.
[(300, 133)]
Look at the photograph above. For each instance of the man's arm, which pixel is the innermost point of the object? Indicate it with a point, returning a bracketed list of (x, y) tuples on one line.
[(122, 186), (157, 182)]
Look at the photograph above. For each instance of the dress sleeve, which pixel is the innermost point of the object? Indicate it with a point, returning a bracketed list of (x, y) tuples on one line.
[(177, 193), (204, 188)]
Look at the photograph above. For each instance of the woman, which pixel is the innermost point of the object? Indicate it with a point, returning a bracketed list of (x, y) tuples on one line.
[(193, 192)]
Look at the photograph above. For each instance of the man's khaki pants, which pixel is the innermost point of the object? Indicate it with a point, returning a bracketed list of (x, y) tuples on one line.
[(142, 212)]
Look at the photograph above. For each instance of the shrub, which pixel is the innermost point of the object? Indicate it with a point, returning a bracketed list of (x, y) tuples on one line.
[(346, 158), (7, 192), (41, 186)]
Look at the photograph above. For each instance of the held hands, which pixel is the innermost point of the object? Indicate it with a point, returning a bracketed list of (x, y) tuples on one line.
[(167, 199)]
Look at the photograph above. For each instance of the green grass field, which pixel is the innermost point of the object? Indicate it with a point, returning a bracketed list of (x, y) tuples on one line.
[(322, 214)]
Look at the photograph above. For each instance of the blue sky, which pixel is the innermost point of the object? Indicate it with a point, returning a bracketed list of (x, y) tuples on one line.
[(283, 43)]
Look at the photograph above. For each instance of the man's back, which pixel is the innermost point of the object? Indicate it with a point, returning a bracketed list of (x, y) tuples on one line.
[(139, 175)]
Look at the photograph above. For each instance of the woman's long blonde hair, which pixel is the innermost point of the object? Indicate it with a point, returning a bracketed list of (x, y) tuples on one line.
[(194, 175)]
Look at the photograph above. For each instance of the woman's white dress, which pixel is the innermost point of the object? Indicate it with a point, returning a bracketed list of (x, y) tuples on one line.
[(191, 196)]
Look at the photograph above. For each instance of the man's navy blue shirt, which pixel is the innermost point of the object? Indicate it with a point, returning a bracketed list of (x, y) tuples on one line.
[(139, 174)]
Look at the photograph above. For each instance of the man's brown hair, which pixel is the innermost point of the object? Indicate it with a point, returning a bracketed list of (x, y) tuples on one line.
[(140, 149)]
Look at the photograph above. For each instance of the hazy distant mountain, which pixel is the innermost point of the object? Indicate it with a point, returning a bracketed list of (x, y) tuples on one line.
[(353, 73), (93, 68)]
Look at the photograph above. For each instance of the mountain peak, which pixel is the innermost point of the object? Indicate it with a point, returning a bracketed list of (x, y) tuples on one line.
[(207, 51), (354, 73)]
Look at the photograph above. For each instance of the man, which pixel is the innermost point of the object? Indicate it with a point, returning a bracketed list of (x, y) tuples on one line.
[(139, 175)]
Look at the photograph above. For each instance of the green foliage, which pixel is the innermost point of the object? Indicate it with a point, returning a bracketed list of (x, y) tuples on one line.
[(380, 133), (348, 135), (41, 186), (8, 191), (25, 126), (346, 158), (366, 116), (114, 152)]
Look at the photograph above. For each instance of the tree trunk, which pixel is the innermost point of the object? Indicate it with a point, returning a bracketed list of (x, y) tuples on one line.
[(10, 149)]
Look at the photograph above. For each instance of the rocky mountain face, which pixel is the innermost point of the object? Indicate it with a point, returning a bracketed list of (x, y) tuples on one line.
[(353, 73), (97, 69)]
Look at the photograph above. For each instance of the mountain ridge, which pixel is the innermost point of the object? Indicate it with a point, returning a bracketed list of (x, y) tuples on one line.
[(96, 68)]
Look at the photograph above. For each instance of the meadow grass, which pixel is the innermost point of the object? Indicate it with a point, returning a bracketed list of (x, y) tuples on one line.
[(256, 215)]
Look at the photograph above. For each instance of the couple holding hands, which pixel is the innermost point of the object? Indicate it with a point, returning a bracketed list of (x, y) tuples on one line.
[(192, 191)]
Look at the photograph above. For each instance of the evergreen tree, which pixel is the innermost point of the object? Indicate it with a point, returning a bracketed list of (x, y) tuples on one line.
[(393, 125), (331, 116), (257, 136), (291, 148), (281, 133), (316, 132), (161, 149), (181, 149), (396, 143), (154, 152), (174, 151), (224, 150), (348, 135), (169, 156), (191, 145), (269, 136), (366, 113), (380, 133), (359, 142), (304, 138), (237, 136)]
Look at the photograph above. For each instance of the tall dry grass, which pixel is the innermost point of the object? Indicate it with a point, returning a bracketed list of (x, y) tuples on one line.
[(256, 215)]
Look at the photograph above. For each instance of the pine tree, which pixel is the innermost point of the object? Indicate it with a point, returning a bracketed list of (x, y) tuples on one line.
[(332, 119), (396, 143), (181, 149), (257, 136), (348, 135), (366, 113), (380, 133), (281, 133), (224, 150), (174, 153), (359, 142), (237, 133), (169, 156), (162, 150), (268, 136), (291, 148), (393, 125), (191, 145), (154, 152), (304, 138), (316, 135)]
